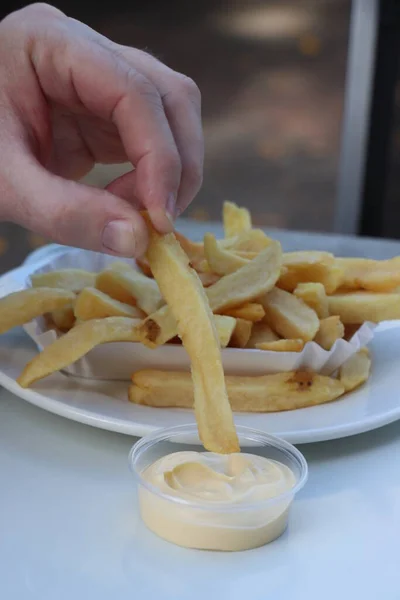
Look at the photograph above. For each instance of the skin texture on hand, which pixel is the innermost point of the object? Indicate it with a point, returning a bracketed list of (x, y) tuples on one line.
[(70, 98)]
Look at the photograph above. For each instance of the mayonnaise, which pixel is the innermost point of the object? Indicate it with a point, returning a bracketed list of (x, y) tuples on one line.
[(216, 502)]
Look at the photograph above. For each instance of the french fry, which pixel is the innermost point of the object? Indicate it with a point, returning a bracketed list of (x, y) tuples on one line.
[(370, 275), (225, 327), (144, 290), (289, 316), (73, 280), (269, 393), (161, 327), (251, 311), (355, 371), (330, 330), (63, 318), (21, 307), (221, 261), (358, 307), (253, 241), (249, 282), (236, 220), (310, 266), (76, 343), (107, 283), (246, 284), (94, 304), (282, 346), (314, 295), (208, 279), (241, 334), (196, 328), (144, 266), (260, 334)]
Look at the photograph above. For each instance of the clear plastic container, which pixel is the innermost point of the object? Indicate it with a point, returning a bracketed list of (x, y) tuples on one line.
[(214, 526)]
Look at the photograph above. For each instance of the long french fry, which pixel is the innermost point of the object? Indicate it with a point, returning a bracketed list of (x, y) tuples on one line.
[(196, 328), (221, 261), (107, 283), (236, 220), (73, 280), (282, 346), (370, 275), (246, 284), (75, 344), (269, 393), (355, 371), (21, 307), (94, 304), (143, 289), (289, 316), (358, 307), (310, 266), (252, 311)]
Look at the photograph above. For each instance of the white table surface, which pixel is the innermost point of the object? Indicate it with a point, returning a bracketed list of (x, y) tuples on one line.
[(69, 525)]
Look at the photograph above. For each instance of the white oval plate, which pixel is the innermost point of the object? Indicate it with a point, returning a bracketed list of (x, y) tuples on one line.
[(104, 404)]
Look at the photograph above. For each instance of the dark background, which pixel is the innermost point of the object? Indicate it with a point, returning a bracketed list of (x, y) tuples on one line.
[(272, 78)]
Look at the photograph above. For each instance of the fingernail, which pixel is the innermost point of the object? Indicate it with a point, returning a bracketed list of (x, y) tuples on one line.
[(119, 237), (171, 207)]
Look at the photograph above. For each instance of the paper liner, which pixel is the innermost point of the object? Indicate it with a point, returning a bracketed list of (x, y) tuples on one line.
[(118, 360)]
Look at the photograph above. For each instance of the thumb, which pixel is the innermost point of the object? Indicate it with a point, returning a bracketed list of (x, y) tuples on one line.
[(78, 215)]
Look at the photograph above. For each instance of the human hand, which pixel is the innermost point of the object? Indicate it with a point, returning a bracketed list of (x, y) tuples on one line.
[(69, 98)]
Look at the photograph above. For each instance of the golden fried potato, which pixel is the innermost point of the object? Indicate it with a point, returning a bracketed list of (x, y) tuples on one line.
[(63, 318), (269, 393), (73, 280), (241, 334), (370, 275), (310, 266), (330, 330), (76, 343), (358, 307), (219, 259), (282, 346), (107, 282), (233, 290), (145, 290), (249, 282), (236, 220), (314, 295), (94, 304), (355, 371), (21, 307), (189, 305), (251, 311), (261, 333), (289, 316)]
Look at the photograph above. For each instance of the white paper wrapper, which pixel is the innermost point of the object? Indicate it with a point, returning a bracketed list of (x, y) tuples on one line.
[(118, 360)]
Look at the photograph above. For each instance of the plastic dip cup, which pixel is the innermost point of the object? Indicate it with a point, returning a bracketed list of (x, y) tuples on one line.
[(209, 525)]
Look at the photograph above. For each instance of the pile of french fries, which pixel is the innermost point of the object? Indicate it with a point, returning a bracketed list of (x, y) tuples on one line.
[(241, 291)]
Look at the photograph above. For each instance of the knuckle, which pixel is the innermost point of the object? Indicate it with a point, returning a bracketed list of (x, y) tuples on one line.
[(189, 88), (42, 9), (145, 88)]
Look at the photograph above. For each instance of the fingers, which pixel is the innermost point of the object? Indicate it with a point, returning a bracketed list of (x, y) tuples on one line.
[(85, 76), (74, 214), (182, 104)]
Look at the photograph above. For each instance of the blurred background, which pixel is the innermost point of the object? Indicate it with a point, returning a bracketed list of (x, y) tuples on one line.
[(272, 75)]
